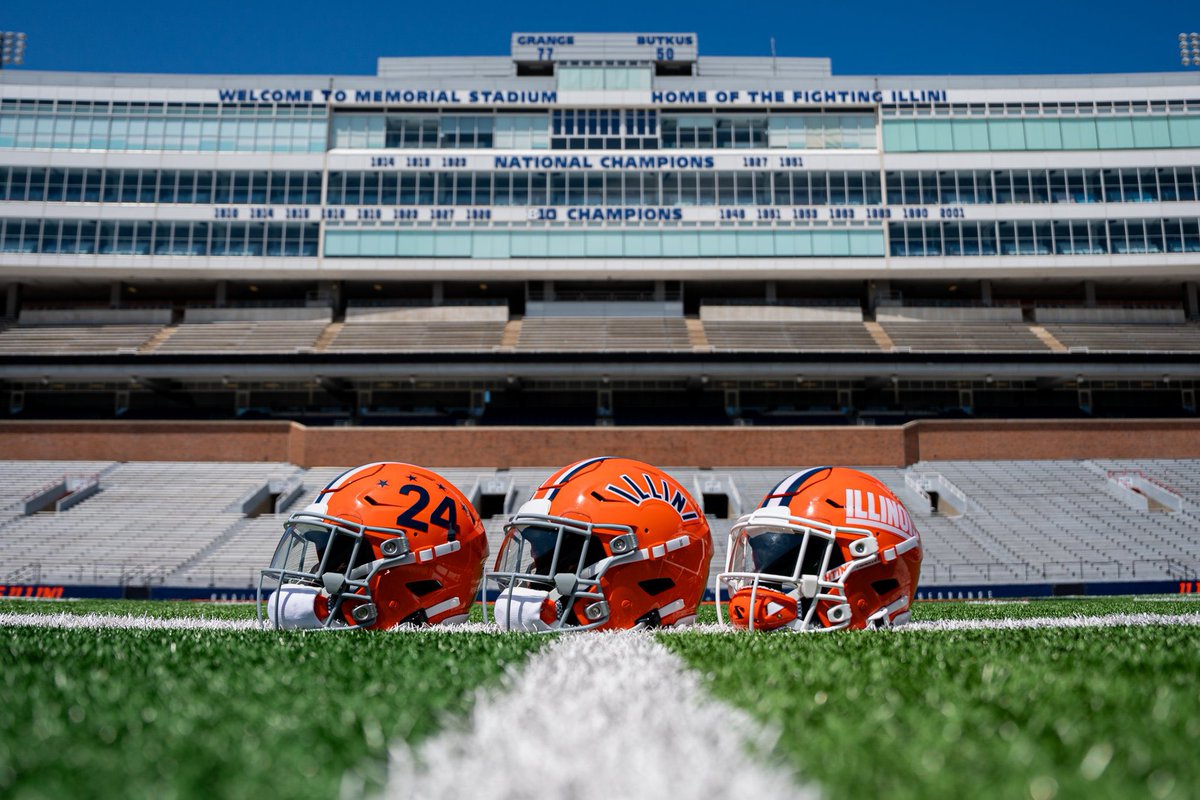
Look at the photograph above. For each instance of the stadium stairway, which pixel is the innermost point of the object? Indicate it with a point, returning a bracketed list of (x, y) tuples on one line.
[(327, 336), (157, 339), (1048, 338)]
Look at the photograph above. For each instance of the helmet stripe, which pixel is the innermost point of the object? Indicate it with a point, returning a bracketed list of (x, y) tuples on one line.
[(571, 472), (779, 495), (322, 496)]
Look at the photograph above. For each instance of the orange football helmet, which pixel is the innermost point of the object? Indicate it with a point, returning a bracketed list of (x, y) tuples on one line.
[(384, 544), (828, 548), (604, 543)]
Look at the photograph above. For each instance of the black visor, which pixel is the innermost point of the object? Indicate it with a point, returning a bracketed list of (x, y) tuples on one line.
[(776, 553), (576, 552)]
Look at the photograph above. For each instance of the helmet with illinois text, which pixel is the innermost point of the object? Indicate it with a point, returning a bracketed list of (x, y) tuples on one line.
[(604, 543), (383, 544), (828, 548)]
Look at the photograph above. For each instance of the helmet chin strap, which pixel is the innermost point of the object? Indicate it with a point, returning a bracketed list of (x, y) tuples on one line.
[(293, 607), (518, 608), (883, 618)]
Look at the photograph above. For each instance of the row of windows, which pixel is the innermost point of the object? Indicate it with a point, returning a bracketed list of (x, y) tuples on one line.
[(1049, 133), (604, 188), (1131, 185), (792, 131), (605, 129), (593, 79), (35, 184), (208, 129), (158, 238), (1085, 108), (159, 186), (359, 243), (569, 79), (1062, 237), (159, 108), (449, 131)]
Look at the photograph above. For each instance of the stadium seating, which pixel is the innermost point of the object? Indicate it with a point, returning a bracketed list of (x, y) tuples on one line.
[(947, 336), (75, 339), (618, 334), (1127, 338), (179, 524), (790, 336), (422, 329), (226, 336), (148, 519)]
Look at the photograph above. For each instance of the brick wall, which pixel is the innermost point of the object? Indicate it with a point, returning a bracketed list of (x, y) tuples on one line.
[(702, 447)]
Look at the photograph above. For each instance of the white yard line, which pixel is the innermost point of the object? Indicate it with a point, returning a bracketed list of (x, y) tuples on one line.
[(619, 704)]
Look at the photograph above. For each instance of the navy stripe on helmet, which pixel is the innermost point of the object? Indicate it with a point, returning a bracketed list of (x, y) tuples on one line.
[(572, 472), (779, 495)]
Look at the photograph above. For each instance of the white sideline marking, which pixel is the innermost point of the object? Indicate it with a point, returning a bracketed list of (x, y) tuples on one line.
[(619, 703), (64, 620), (96, 621), (1105, 621)]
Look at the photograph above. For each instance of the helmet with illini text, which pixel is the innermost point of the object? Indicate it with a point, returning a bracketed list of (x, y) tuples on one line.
[(384, 544), (828, 548), (604, 543)]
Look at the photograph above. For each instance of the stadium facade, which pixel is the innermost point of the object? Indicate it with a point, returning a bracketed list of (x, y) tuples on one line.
[(599, 227)]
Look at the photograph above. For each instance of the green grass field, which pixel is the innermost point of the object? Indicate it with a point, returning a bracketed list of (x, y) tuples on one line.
[(1044, 712)]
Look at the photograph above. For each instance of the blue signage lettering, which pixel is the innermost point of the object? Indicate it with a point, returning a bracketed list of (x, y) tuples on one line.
[(700, 97), (543, 40), (490, 96), (406, 96), (265, 95), (654, 40), (687, 97), (638, 213)]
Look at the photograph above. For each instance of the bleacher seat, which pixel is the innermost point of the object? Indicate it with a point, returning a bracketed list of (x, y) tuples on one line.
[(266, 336), (176, 524), (620, 334), (1128, 338), (75, 339), (407, 336), (790, 336), (957, 336)]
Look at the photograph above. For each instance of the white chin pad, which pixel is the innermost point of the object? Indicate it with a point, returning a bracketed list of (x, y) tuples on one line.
[(520, 609), (293, 606)]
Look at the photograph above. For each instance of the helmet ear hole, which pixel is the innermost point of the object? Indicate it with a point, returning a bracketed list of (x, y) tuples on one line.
[(885, 586), (656, 586), (422, 588)]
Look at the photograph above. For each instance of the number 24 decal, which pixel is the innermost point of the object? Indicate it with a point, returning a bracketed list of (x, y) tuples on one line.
[(444, 516)]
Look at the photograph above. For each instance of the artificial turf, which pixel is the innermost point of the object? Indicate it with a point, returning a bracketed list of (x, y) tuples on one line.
[(225, 714), (923, 611), (1095, 713), (1041, 713)]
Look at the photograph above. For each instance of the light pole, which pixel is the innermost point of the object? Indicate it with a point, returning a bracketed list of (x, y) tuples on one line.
[(12, 48), (1189, 49)]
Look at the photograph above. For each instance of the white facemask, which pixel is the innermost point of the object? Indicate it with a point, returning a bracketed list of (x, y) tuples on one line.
[(520, 609), (293, 606)]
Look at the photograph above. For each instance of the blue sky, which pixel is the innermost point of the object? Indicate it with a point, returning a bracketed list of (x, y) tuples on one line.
[(864, 37)]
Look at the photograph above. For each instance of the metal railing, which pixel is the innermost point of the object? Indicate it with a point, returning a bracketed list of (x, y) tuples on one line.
[(99, 574), (1051, 571), (1123, 476), (74, 481)]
